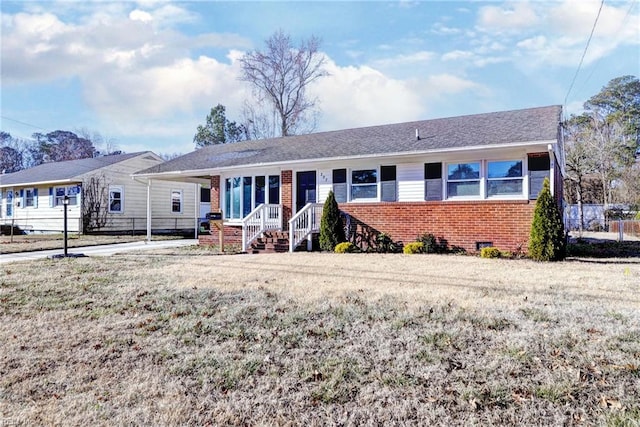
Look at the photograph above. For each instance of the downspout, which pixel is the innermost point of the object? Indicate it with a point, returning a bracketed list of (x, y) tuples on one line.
[(149, 210)]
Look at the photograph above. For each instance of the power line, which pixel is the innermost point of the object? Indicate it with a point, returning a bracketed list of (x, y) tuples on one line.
[(22, 123), (584, 53)]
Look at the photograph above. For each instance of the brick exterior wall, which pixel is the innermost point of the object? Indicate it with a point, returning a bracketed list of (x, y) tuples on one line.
[(504, 223), (215, 193), (286, 195), (232, 237)]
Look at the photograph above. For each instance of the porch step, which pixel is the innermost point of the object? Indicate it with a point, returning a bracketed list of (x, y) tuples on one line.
[(272, 241)]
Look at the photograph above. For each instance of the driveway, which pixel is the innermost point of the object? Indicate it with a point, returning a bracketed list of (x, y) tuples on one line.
[(100, 250)]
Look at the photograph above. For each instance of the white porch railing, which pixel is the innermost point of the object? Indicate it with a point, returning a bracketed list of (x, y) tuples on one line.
[(303, 224), (262, 218)]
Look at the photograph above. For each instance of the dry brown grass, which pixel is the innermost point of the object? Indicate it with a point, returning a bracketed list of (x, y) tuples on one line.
[(182, 338)]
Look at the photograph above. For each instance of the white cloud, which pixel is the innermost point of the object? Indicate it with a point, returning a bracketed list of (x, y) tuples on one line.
[(536, 35), (363, 96), (457, 55), (441, 29), (404, 60), (140, 15), (512, 18)]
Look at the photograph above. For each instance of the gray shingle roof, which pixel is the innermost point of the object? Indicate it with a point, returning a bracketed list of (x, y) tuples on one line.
[(63, 171), (506, 127)]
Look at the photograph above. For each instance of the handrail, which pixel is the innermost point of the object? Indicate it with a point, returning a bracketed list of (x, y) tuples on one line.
[(263, 217), (303, 224)]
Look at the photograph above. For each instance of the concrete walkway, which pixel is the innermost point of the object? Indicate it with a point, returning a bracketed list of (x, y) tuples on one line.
[(100, 250)]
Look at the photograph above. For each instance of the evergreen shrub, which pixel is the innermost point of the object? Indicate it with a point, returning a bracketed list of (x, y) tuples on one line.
[(331, 228), (547, 240)]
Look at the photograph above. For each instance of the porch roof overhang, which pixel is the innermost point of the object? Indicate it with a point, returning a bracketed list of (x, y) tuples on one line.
[(203, 175)]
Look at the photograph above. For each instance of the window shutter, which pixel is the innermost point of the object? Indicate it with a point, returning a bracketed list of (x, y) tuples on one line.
[(433, 181), (35, 197), (536, 179), (340, 192), (51, 198), (22, 198), (433, 189), (388, 183), (388, 189)]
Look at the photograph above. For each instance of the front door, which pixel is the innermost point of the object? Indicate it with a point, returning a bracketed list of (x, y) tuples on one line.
[(305, 188)]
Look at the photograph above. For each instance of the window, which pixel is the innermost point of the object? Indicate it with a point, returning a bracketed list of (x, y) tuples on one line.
[(246, 192), (205, 195), (504, 178), (340, 185), (176, 201), (9, 206), (463, 179), (260, 194), (388, 183), (274, 189), (116, 199), (364, 184), (71, 191), (243, 194), (31, 197), (433, 181)]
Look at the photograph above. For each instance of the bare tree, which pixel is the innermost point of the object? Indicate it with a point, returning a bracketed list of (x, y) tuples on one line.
[(94, 203), (104, 144), (280, 76)]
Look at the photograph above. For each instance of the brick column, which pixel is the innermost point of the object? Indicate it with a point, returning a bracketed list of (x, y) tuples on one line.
[(215, 193), (286, 189)]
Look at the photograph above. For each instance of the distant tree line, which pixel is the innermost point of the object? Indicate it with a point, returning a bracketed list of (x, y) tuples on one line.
[(20, 153), (602, 147)]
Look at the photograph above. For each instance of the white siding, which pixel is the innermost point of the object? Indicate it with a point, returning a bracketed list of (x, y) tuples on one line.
[(325, 177), (410, 177), (46, 218)]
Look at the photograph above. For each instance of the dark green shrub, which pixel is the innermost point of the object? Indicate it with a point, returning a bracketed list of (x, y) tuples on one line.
[(432, 244), (413, 248), (346, 247), (547, 241), (384, 244), (331, 228), (490, 252)]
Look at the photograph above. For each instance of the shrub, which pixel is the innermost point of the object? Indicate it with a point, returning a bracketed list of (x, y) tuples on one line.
[(413, 248), (433, 244), (346, 247), (385, 244), (331, 228), (547, 241), (490, 252)]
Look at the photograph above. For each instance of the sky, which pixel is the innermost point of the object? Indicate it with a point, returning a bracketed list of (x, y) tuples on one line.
[(145, 74)]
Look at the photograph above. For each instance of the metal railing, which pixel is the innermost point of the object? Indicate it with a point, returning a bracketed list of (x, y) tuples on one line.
[(262, 218), (304, 224)]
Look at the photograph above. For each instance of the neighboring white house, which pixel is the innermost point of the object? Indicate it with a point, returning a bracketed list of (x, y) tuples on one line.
[(32, 199)]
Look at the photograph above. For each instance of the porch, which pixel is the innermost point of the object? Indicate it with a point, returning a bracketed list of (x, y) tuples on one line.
[(265, 230)]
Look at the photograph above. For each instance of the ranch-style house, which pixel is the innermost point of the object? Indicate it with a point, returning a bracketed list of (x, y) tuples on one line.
[(470, 180), (33, 199)]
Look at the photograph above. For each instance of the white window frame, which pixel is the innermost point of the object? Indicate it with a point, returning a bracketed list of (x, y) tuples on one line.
[(377, 184), (480, 180), (10, 203), (229, 199), (120, 189), (34, 197), (520, 178), (66, 191), (179, 199)]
